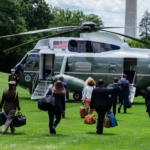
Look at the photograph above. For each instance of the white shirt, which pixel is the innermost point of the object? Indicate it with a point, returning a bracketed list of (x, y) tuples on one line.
[(88, 92)]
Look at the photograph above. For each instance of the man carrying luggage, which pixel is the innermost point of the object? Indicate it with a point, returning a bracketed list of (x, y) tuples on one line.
[(115, 93), (125, 92)]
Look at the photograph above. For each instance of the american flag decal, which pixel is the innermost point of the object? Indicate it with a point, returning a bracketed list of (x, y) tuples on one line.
[(60, 44)]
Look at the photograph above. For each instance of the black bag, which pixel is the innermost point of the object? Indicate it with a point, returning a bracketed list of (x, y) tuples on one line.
[(122, 86), (47, 102), (128, 104), (2, 118), (19, 120)]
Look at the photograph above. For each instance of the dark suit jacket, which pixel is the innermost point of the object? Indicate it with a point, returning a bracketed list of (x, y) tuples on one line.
[(13, 78), (66, 87), (116, 93), (147, 99), (100, 99), (8, 101)]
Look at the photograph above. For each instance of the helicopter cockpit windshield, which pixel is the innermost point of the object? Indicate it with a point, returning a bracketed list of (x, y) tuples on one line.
[(90, 47)]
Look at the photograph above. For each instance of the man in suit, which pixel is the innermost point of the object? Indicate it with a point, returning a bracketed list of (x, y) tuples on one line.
[(13, 77), (115, 95), (125, 92), (147, 100), (101, 103), (61, 78)]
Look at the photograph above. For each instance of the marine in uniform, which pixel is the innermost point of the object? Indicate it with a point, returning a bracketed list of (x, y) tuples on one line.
[(10, 101), (13, 77)]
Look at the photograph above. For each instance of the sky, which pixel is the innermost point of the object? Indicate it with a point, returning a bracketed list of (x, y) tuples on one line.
[(112, 12)]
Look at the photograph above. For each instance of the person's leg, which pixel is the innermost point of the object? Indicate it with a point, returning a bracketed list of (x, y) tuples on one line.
[(114, 108), (51, 120), (12, 128), (101, 116), (86, 111), (9, 120), (125, 106), (58, 118)]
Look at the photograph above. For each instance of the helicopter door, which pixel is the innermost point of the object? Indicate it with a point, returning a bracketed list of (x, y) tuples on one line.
[(130, 68), (47, 66)]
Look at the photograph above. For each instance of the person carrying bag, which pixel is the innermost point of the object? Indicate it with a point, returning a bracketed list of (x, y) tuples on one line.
[(10, 101), (59, 108)]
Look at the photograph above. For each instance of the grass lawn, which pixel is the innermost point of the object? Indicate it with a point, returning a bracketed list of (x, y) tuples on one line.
[(133, 131)]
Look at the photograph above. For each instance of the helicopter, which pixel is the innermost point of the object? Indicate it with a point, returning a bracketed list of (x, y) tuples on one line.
[(97, 53)]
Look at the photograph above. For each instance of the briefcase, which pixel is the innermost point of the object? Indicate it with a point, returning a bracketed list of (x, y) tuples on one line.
[(82, 112), (2, 118), (19, 120), (90, 119), (107, 123), (113, 120)]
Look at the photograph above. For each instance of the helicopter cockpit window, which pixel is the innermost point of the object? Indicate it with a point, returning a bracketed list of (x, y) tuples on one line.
[(33, 61)]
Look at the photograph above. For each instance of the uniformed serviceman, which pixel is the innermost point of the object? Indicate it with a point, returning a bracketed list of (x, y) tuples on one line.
[(10, 101), (13, 77)]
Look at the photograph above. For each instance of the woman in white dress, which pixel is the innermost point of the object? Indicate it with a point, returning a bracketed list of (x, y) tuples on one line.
[(88, 93)]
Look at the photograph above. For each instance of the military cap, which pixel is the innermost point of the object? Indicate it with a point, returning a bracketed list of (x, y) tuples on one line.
[(13, 70), (12, 82)]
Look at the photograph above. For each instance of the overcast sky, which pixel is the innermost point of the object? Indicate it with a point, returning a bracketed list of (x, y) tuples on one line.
[(112, 12)]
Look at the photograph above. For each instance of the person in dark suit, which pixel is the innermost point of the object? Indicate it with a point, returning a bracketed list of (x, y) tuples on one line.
[(101, 103), (125, 93), (10, 101), (61, 78), (115, 95), (147, 101), (59, 108), (13, 77)]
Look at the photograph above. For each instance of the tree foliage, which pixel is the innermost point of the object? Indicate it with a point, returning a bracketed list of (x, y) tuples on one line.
[(18, 16)]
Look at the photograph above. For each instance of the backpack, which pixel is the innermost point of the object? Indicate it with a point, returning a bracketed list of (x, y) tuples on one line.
[(110, 89), (122, 86)]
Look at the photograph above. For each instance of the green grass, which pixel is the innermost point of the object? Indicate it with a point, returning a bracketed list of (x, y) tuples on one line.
[(132, 133)]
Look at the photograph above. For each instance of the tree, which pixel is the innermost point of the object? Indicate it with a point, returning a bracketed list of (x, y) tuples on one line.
[(144, 23)]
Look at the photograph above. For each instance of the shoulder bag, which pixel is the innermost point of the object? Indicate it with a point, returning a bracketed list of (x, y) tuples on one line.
[(19, 120)]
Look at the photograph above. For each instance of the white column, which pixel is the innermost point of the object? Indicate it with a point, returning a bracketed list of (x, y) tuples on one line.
[(131, 18)]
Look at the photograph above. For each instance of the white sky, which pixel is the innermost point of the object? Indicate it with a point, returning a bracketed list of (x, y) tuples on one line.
[(112, 12)]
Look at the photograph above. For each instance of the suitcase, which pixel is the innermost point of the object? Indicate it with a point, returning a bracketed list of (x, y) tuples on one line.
[(90, 119), (82, 112)]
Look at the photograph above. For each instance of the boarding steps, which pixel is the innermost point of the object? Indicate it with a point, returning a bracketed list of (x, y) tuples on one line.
[(40, 91)]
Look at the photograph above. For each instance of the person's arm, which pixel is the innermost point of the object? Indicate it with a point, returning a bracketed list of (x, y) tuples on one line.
[(92, 99), (84, 94), (17, 80), (67, 92), (83, 90), (63, 102), (2, 102), (49, 92), (17, 103), (107, 99)]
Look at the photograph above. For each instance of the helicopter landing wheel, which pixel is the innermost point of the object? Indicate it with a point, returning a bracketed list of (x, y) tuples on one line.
[(77, 96)]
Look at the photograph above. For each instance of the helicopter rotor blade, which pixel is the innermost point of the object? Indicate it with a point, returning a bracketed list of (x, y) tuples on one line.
[(58, 29), (61, 33), (129, 37), (101, 28)]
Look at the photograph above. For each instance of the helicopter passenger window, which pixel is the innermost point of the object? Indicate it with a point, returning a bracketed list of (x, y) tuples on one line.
[(108, 47), (83, 66), (33, 61), (69, 65)]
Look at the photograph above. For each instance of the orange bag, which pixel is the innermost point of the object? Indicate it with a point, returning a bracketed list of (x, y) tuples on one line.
[(82, 112), (90, 119)]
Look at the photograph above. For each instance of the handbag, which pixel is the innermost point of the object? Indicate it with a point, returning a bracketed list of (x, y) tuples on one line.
[(113, 120), (2, 118), (19, 120), (107, 123), (90, 119), (82, 111), (128, 104), (47, 102)]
